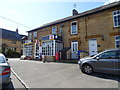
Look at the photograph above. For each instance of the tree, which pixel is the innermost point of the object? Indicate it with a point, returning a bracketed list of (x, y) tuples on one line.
[(4, 48)]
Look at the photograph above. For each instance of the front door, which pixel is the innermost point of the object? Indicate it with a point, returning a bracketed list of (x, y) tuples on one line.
[(74, 50), (92, 47)]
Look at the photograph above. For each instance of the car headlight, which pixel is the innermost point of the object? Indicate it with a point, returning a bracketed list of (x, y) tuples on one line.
[(79, 62)]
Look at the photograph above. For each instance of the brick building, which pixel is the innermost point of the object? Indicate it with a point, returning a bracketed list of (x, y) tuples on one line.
[(10, 40), (92, 31)]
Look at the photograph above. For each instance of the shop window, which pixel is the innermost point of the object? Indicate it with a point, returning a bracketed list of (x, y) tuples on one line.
[(27, 50), (48, 48), (74, 27), (116, 18), (54, 30), (117, 41)]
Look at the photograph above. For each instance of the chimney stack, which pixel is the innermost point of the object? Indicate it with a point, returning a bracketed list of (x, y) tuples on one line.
[(16, 30), (74, 12)]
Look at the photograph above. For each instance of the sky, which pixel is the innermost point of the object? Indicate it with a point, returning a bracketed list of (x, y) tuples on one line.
[(29, 14)]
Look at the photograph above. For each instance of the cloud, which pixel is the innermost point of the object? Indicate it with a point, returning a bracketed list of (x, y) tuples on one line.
[(110, 1)]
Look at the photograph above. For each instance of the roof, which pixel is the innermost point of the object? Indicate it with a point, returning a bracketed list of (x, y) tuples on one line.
[(105, 7), (11, 35)]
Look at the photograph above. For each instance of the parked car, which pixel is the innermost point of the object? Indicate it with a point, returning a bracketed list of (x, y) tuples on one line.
[(107, 61), (23, 57), (5, 71)]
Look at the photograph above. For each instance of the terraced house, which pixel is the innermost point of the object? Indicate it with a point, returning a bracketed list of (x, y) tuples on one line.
[(10, 40), (92, 31)]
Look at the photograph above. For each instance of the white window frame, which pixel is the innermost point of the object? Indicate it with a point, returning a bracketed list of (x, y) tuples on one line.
[(27, 50), (54, 32), (117, 40), (35, 34), (116, 15), (73, 47), (76, 27)]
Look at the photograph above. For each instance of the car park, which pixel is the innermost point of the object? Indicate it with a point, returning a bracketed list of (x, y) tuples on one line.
[(5, 71), (107, 61)]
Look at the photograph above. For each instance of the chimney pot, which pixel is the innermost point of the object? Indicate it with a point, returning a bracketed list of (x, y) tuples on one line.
[(74, 12)]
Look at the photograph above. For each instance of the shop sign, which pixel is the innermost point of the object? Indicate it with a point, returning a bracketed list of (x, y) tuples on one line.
[(28, 41), (52, 37)]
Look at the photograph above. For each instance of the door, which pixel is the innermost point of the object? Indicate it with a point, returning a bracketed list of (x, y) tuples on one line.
[(92, 47), (74, 50)]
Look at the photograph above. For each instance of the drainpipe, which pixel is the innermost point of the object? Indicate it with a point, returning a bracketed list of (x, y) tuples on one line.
[(86, 26)]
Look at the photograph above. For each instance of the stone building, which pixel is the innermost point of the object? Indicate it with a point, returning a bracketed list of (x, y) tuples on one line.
[(92, 31), (10, 40)]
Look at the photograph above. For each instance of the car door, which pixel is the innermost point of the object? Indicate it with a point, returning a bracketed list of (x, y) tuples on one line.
[(105, 62), (117, 63)]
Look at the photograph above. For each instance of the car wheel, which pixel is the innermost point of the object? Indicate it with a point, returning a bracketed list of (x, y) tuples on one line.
[(87, 69)]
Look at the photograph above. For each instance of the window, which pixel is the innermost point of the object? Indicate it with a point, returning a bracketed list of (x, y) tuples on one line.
[(74, 28), (13, 42), (2, 60), (35, 34), (60, 31), (54, 30), (117, 41), (116, 18), (27, 50), (118, 54), (108, 55), (48, 48), (29, 35)]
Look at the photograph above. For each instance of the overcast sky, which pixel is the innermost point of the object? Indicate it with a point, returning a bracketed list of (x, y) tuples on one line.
[(29, 14)]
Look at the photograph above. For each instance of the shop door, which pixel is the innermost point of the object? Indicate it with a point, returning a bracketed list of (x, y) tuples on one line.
[(74, 50)]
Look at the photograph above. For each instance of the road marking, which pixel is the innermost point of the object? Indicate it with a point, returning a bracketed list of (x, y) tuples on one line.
[(23, 83)]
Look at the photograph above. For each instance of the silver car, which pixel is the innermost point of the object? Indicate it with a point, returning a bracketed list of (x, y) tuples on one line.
[(5, 71), (107, 61)]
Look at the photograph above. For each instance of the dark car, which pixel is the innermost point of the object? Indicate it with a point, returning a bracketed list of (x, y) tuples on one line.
[(107, 61)]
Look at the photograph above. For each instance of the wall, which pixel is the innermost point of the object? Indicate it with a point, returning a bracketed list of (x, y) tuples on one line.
[(9, 44)]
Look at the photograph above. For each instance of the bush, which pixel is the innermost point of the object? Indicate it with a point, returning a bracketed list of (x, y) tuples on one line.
[(12, 54)]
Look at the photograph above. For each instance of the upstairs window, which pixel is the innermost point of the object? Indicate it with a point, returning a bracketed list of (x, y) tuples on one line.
[(116, 18), (29, 35), (35, 34), (74, 28), (54, 30)]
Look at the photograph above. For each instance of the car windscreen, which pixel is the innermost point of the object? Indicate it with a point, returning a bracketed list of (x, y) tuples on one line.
[(2, 59)]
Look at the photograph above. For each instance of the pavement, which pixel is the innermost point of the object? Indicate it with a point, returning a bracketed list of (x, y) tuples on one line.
[(36, 74)]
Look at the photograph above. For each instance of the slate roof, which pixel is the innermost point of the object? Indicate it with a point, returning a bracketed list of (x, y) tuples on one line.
[(102, 8), (10, 35)]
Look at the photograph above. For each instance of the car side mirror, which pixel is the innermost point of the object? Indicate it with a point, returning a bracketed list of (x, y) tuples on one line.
[(6, 59), (97, 58)]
